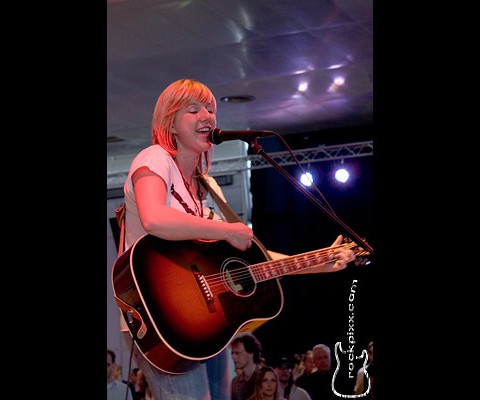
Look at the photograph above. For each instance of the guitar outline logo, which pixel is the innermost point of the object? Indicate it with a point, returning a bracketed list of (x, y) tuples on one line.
[(338, 347)]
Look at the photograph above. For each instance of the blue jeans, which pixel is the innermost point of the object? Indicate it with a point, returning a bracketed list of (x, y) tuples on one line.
[(210, 381)]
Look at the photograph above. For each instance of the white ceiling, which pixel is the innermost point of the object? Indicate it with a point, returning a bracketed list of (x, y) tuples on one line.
[(261, 48)]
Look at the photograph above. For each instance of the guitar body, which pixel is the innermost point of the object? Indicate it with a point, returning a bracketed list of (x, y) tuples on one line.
[(192, 297)]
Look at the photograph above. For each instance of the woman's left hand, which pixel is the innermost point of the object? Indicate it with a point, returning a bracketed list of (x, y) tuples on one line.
[(341, 256)]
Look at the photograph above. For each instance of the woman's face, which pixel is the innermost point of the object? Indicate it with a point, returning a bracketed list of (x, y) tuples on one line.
[(192, 125), (269, 384), (308, 362)]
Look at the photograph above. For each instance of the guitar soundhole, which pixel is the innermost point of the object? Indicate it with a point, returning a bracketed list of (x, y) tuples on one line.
[(237, 276)]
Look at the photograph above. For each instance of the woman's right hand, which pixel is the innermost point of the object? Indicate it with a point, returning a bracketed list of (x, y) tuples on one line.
[(239, 235)]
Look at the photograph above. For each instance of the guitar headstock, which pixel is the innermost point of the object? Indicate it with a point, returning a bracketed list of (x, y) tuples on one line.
[(361, 255)]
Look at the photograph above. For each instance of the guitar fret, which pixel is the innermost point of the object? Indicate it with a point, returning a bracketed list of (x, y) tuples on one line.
[(273, 269), (285, 268), (306, 263), (266, 273), (322, 258)]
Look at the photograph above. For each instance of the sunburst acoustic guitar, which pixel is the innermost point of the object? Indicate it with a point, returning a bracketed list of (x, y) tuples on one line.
[(186, 300)]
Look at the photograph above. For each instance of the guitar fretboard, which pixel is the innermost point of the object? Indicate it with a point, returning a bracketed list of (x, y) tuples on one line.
[(284, 266)]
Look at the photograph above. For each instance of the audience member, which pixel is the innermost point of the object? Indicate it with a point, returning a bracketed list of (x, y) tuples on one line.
[(133, 383), (287, 388), (144, 391), (117, 373), (298, 365), (246, 352), (116, 389), (266, 385), (263, 362), (308, 367), (363, 383), (308, 362), (319, 383)]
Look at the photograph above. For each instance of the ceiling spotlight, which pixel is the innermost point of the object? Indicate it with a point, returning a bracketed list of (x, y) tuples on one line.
[(244, 98), (303, 87)]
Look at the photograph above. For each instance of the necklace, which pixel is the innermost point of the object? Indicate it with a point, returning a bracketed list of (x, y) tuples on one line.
[(198, 210)]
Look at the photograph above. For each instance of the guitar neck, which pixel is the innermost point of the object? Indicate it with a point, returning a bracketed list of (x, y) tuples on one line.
[(291, 264)]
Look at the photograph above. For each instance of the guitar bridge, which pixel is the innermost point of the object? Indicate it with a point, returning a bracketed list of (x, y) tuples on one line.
[(204, 288)]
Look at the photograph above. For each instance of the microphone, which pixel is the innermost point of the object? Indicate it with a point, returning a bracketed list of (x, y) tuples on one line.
[(218, 136)]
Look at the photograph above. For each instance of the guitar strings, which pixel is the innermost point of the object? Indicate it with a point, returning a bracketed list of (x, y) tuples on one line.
[(286, 263), (243, 275), (284, 266)]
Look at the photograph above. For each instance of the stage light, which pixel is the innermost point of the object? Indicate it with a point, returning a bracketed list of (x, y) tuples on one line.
[(342, 173), (306, 179)]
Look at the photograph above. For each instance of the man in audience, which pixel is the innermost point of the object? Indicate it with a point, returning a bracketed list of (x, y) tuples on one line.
[(116, 389), (319, 383), (286, 386), (246, 352)]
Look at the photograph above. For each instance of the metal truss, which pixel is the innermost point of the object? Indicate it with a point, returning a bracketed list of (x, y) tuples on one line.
[(255, 161), (283, 158)]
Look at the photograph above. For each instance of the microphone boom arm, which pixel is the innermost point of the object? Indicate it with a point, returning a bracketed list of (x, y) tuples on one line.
[(259, 150)]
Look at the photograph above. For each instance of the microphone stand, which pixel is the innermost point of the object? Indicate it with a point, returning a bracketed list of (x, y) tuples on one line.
[(259, 150)]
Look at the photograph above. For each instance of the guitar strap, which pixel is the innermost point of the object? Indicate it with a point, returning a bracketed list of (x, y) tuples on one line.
[(120, 213), (130, 311), (229, 214)]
